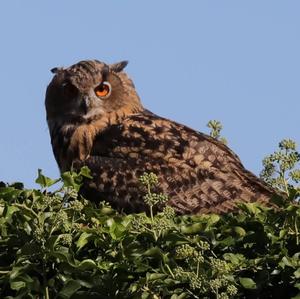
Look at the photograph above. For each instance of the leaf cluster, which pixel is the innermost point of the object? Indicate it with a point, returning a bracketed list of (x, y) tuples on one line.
[(282, 169), (58, 245)]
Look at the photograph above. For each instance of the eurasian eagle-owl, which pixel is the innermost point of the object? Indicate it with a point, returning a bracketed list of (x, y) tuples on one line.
[(96, 119)]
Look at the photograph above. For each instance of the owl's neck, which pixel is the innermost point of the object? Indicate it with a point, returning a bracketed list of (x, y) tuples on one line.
[(105, 119)]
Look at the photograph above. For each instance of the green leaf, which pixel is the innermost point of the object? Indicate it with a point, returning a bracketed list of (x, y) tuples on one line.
[(71, 179), (282, 233), (16, 271), (192, 229), (145, 295), (227, 241), (45, 181), (83, 240), (86, 172), (153, 252), (235, 259), (9, 211), (62, 254), (239, 231), (174, 238), (69, 289), (155, 276), (87, 264), (116, 229), (9, 194), (251, 208), (289, 262), (17, 185), (181, 296), (212, 219), (17, 285), (247, 283), (297, 273)]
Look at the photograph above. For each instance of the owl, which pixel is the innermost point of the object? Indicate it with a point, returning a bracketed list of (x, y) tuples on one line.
[(96, 119)]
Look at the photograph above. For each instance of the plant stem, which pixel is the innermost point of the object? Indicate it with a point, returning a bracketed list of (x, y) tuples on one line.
[(169, 269), (46, 293), (198, 266), (152, 220), (296, 230), (25, 208), (151, 210)]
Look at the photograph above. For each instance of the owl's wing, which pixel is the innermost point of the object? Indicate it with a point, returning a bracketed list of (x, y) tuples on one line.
[(115, 180), (197, 172)]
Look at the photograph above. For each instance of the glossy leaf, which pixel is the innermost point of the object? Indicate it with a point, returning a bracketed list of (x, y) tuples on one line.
[(247, 283)]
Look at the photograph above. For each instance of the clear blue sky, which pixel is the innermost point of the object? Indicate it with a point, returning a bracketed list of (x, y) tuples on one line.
[(191, 61)]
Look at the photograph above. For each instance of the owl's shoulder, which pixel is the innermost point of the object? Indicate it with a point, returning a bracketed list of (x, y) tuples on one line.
[(152, 126), (150, 133)]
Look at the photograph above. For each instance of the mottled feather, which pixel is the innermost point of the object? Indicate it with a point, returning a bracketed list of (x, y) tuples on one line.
[(119, 140)]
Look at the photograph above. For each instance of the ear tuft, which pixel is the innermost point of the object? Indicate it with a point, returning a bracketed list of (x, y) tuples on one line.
[(56, 70), (119, 66)]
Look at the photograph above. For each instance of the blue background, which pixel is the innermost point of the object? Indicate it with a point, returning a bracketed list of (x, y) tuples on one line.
[(191, 61)]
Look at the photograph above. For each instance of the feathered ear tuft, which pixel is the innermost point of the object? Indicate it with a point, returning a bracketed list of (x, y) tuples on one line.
[(56, 70), (119, 66)]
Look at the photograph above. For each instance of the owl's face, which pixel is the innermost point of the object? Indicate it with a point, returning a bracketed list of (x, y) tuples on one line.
[(90, 90)]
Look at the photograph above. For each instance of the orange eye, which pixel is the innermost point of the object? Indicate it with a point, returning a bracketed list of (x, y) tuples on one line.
[(103, 90)]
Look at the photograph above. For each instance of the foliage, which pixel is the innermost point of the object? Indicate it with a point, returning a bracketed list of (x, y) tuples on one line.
[(58, 245), (215, 130), (281, 168)]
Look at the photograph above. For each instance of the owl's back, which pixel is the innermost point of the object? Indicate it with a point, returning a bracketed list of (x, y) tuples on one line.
[(198, 173)]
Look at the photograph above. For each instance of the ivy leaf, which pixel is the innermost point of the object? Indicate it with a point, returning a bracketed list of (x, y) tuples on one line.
[(247, 283), (69, 289), (86, 264), (17, 285), (192, 229), (85, 172), (297, 273), (9, 211), (9, 193), (235, 259), (239, 231), (45, 181), (83, 240)]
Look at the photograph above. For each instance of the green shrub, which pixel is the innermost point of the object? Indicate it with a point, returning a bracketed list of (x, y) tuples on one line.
[(55, 244)]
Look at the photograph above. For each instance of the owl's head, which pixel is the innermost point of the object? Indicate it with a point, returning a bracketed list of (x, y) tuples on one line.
[(90, 90)]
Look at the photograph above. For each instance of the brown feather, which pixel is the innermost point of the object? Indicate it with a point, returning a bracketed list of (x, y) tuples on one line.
[(119, 140)]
